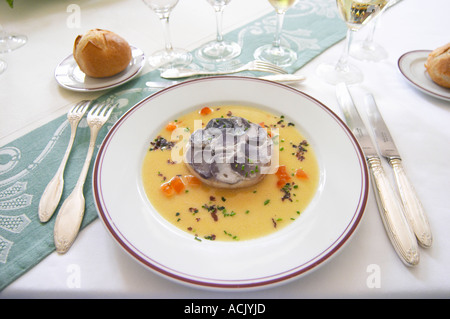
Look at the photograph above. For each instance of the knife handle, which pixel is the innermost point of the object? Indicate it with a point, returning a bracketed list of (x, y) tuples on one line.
[(413, 207), (392, 214)]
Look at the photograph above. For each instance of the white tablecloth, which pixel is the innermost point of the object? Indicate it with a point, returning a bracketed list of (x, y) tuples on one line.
[(419, 123)]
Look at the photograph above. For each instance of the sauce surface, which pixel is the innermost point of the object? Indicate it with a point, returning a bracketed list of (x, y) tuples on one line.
[(210, 213)]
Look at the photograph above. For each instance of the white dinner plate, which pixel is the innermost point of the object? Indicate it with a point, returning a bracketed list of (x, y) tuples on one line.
[(412, 66), (318, 234), (69, 76)]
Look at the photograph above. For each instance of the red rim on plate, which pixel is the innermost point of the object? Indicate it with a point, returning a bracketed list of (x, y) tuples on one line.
[(168, 271)]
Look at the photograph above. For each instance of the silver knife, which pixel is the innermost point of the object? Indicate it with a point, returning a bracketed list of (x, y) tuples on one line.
[(389, 205), (413, 207)]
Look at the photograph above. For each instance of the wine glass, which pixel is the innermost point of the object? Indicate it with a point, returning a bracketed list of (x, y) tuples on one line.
[(219, 50), (11, 42), (275, 52), (368, 49), (356, 13), (8, 43), (169, 57)]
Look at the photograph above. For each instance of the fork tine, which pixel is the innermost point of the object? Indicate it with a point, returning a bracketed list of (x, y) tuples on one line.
[(95, 109), (269, 66), (78, 106), (84, 107), (110, 108)]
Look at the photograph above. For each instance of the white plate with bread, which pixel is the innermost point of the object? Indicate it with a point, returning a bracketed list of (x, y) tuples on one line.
[(101, 60), (424, 69)]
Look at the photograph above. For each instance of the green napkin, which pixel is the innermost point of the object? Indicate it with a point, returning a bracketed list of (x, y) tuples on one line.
[(28, 163)]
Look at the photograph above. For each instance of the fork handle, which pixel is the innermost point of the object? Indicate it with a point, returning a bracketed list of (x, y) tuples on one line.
[(52, 193), (70, 216)]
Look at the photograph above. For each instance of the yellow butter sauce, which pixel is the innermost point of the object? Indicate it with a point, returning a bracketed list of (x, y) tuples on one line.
[(210, 213)]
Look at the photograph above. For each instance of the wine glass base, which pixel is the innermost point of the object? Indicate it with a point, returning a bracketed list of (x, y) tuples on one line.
[(368, 52), (175, 58), (10, 43), (280, 56), (2, 66), (219, 51), (333, 75)]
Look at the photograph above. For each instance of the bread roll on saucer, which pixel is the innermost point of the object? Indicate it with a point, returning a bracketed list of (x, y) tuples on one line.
[(438, 65), (101, 53)]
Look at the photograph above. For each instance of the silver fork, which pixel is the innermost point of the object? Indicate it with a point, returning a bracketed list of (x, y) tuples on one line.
[(52, 193), (255, 65), (71, 214)]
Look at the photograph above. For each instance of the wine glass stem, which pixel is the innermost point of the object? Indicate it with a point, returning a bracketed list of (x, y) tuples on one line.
[(164, 18), (219, 19), (343, 60), (277, 39), (369, 39)]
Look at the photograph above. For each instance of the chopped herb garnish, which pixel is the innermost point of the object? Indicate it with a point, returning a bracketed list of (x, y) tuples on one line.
[(231, 235), (160, 143), (267, 201)]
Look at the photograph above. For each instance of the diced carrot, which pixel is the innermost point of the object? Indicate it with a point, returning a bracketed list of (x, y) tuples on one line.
[(264, 127), (205, 111), (177, 184), (283, 176), (171, 126), (192, 180), (301, 174), (281, 172), (167, 189)]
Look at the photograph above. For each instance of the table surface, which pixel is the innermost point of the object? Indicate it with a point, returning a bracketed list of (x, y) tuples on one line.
[(418, 122)]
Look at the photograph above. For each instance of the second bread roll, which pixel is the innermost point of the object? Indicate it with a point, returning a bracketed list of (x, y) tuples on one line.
[(438, 65)]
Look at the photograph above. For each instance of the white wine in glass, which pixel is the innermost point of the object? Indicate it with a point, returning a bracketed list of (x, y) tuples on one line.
[(275, 52), (355, 13), (368, 49), (169, 57), (219, 50)]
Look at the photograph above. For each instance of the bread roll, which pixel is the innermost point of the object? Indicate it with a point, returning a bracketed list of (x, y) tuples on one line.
[(101, 53), (438, 65)]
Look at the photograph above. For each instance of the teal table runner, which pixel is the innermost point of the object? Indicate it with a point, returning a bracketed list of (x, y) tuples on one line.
[(28, 163)]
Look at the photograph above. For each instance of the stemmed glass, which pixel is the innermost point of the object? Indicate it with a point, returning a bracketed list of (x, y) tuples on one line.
[(355, 13), (11, 42), (169, 57), (219, 50), (275, 52), (368, 49), (8, 43)]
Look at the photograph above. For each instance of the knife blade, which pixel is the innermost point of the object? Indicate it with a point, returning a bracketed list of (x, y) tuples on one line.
[(414, 210), (389, 206)]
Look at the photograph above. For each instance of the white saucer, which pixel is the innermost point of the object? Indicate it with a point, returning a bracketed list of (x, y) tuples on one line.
[(412, 66), (69, 76)]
